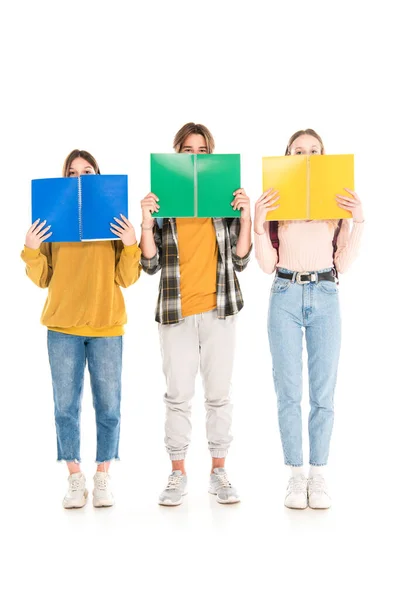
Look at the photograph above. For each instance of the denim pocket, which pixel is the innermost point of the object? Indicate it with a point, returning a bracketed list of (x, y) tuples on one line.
[(280, 285), (328, 287)]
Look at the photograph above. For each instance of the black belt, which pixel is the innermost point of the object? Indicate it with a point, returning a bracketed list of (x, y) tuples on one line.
[(307, 277)]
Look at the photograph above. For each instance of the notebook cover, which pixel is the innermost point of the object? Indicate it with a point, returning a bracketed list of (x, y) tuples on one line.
[(218, 176), (308, 185), (288, 176), (56, 201), (103, 198), (329, 175), (172, 181)]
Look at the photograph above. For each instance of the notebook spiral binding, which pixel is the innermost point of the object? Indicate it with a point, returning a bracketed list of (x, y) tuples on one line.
[(80, 208)]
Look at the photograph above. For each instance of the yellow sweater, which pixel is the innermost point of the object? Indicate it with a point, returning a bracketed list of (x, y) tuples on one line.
[(84, 280)]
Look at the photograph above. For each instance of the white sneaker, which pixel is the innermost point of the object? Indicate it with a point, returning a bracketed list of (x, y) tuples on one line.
[(102, 495), (220, 487), (77, 492), (318, 496), (296, 493), (175, 490)]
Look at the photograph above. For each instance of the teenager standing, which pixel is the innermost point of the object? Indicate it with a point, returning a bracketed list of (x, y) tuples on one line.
[(305, 256), (198, 302), (85, 316)]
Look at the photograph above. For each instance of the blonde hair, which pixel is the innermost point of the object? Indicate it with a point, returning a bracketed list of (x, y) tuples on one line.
[(332, 222), (194, 128), (79, 154)]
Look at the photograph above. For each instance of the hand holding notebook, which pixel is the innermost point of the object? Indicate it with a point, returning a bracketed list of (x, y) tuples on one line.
[(37, 234), (124, 229)]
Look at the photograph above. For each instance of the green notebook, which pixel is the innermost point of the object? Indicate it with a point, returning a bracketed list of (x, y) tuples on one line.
[(195, 185)]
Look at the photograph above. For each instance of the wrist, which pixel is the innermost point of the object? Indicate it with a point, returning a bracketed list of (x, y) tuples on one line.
[(147, 224), (358, 219), (31, 252), (259, 228)]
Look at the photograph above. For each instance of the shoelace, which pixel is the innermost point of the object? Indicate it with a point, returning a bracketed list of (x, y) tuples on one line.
[(74, 484), (101, 484), (174, 482), (222, 480), (296, 485), (317, 485)]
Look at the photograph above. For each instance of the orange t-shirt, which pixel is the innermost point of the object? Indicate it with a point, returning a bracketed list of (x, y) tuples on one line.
[(198, 256)]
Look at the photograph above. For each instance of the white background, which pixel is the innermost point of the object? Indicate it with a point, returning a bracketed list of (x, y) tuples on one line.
[(119, 79)]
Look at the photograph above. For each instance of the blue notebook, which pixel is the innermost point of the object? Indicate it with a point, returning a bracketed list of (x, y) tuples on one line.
[(80, 209)]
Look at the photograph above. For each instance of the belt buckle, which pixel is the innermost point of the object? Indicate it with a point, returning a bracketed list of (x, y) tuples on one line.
[(298, 277)]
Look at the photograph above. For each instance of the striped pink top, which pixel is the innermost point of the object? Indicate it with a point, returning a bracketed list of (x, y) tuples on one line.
[(307, 246)]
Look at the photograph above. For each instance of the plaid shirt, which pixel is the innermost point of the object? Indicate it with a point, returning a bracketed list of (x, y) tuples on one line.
[(229, 296)]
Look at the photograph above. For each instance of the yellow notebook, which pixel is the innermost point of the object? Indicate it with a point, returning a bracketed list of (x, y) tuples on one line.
[(308, 185)]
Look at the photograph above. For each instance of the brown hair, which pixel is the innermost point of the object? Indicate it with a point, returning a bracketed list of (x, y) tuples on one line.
[(79, 154), (195, 128), (304, 132)]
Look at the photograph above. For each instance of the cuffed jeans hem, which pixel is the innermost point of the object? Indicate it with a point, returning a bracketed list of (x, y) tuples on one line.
[(218, 453), (318, 464), (100, 462), (68, 460), (177, 456), (288, 464)]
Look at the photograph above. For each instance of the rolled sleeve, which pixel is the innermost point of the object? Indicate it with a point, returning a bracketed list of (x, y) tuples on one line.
[(240, 262), (150, 265)]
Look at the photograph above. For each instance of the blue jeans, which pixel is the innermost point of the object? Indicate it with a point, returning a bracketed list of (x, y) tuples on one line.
[(314, 307), (68, 355)]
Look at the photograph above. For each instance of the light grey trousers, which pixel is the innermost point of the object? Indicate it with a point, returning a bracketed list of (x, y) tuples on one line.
[(206, 341)]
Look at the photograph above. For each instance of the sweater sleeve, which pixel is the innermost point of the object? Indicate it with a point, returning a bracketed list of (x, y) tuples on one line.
[(38, 264), (348, 244), (266, 255), (127, 264)]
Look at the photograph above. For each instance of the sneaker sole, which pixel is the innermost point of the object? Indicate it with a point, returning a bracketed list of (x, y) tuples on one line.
[(296, 507), (71, 506), (319, 507), (169, 503), (100, 504), (228, 501)]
